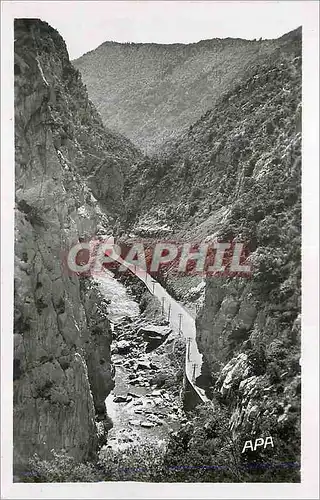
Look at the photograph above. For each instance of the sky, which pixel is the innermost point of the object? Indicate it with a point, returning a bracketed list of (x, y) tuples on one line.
[(84, 25)]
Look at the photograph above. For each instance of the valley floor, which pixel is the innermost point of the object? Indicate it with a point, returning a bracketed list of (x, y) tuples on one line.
[(145, 404)]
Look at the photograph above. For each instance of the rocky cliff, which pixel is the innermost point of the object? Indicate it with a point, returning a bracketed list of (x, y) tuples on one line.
[(64, 160), (151, 92), (249, 329)]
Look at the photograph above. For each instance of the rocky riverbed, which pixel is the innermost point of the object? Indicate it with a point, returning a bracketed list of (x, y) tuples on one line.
[(145, 404)]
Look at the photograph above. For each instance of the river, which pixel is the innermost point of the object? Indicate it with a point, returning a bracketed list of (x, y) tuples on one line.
[(149, 413)]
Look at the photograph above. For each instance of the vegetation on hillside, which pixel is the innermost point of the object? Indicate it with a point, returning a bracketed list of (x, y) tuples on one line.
[(229, 170), (203, 450), (151, 92)]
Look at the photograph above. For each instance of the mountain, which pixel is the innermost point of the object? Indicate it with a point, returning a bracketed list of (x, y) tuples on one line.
[(150, 92), (235, 175), (64, 160), (227, 167)]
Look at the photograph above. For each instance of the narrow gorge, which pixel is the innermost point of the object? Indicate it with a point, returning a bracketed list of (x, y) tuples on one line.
[(163, 376)]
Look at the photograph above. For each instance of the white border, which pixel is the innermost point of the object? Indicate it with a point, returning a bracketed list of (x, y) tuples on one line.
[(310, 339)]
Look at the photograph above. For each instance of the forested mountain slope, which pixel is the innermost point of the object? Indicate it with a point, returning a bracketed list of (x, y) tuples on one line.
[(150, 92)]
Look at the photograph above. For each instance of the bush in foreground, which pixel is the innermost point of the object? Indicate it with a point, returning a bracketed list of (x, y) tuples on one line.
[(60, 468)]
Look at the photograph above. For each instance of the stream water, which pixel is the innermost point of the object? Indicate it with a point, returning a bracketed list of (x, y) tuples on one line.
[(121, 305), (149, 414)]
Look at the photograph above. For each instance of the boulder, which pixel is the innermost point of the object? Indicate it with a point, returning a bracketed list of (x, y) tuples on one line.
[(147, 424), (143, 365), (158, 421), (154, 330), (117, 362), (153, 366), (154, 335), (134, 381), (133, 395), (120, 399), (156, 393), (127, 439), (123, 347), (134, 422)]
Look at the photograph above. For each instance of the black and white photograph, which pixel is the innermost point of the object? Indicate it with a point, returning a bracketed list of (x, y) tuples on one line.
[(159, 317)]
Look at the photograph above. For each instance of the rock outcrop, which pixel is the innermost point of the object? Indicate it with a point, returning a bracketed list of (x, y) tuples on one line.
[(64, 159)]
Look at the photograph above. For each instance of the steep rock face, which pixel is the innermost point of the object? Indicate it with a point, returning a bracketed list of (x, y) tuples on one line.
[(97, 346), (62, 369), (150, 92), (249, 329)]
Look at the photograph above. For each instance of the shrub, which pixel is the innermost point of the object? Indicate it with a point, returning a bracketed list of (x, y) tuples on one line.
[(257, 359), (273, 371), (193, 208), (195, 193), (249, 168), (136, 463), (203, 450), (206, 450), (33, 214), (60, 468), (268, 231), (269, 272), (270, 127)]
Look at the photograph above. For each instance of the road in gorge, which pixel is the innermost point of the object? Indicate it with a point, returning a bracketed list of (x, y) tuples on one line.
[(179, 319)]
